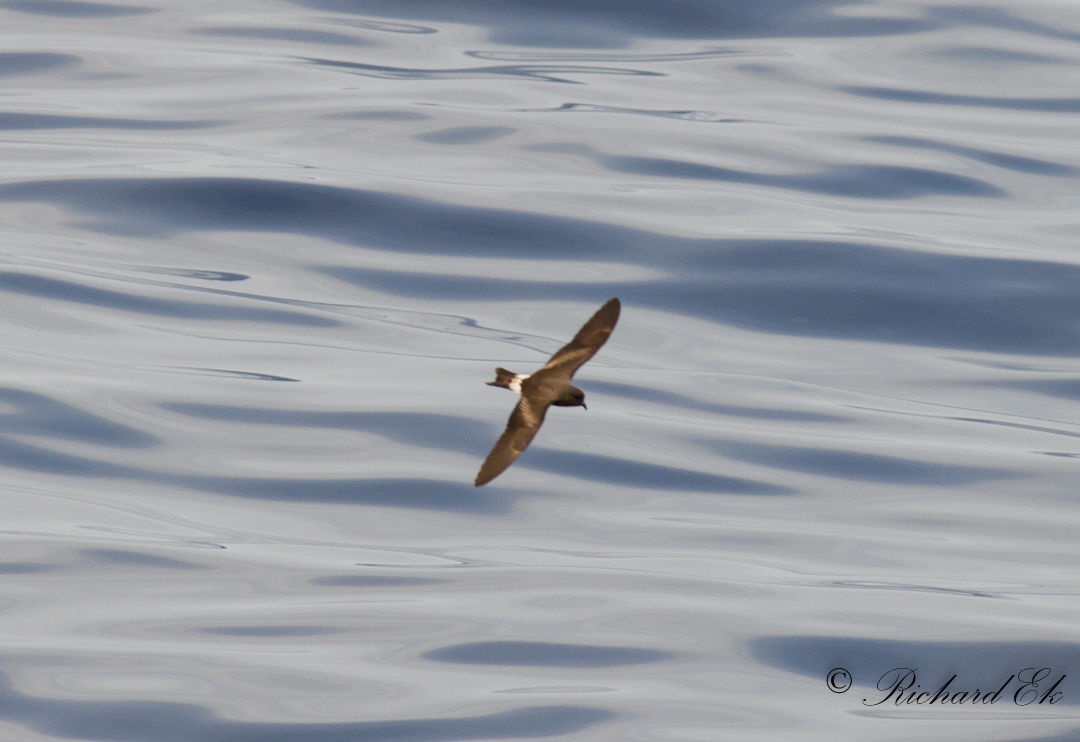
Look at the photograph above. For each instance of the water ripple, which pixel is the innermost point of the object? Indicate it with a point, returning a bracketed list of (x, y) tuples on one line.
[(294, 35), (465, 135), (825, 290), (138, 559), (38, 415), (997, 159), (469, 436), (657, 396), (38, 121), (430, 430), (75, 8), (601, 23), (1048, 105), (579, 56), (595, 108), (400, 492), (548, 72), (366, 581), (981, 55), (987, 663), (544, 654), (639, 474), (845, 180), (184, 722), (857, 466), (78, 293), (30, 63)]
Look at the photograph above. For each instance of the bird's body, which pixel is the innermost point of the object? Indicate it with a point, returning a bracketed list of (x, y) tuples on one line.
[(541, 389)]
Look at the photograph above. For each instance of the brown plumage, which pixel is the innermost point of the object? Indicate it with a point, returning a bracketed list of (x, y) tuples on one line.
[(548, 386)]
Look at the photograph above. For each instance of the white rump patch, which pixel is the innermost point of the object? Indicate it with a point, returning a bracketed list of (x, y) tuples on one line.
[(515, 383)]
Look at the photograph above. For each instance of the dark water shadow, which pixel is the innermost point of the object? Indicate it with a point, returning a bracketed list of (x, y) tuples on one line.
[(162, 721), (294, 35), (909, 588), (75, 9), (229, 373), (546, 72), (819, 289), (460, 135), (425, 494), (271, 632), (847, 181), (29, 63), (980, 55), (376, 116), (648, 394), (611, 24), (59, 290), (997, 159), (443, 432), (451, 433), (627, 473), (1017, 426), (36, 121), (138, 559), (39, 415), (25, 457), (1071, 736), (410, 493), (1046, 105), (26, 568), (373, 581), (791, 287), (160, 207), (194, 273), (895, 295), (858, 467), (977, 665), (991, 17), (1058, 388), (434, 431), (388, 26), (544, 654), (684, 115)]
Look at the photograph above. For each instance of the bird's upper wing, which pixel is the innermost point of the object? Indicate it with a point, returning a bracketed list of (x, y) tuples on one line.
[(524, 421), (589, 339)]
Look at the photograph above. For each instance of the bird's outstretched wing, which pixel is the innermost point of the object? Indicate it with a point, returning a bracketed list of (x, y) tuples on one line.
[(524, 421), (590, 338)]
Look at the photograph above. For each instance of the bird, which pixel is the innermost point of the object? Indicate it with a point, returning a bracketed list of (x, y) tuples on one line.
[(541, 389)]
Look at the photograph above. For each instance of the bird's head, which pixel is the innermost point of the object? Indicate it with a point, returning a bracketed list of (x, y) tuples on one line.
[(571, 396)]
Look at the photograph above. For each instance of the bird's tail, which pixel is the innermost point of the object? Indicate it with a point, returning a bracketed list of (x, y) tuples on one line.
[(502, 378)]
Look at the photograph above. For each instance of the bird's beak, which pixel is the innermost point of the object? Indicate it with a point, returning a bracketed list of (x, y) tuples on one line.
[(583, 405)]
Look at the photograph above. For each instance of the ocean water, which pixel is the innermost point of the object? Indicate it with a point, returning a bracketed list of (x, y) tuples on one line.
[(260, 258)]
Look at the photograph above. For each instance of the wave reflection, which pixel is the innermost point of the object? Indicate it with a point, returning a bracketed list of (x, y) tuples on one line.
[(845, 180), (183, 722), (801, 288), (75, 8), (29, 63), (600, 23), (1048, 105), (38, 121), (548, 72)]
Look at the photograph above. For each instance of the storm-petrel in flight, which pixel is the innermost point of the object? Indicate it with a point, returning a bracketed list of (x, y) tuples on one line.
[(548, 386)]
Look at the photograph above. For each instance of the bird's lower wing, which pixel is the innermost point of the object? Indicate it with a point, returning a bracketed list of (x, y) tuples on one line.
[(524, 421)]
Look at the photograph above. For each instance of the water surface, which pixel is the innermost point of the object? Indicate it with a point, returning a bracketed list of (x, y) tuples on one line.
[(259, 260)]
